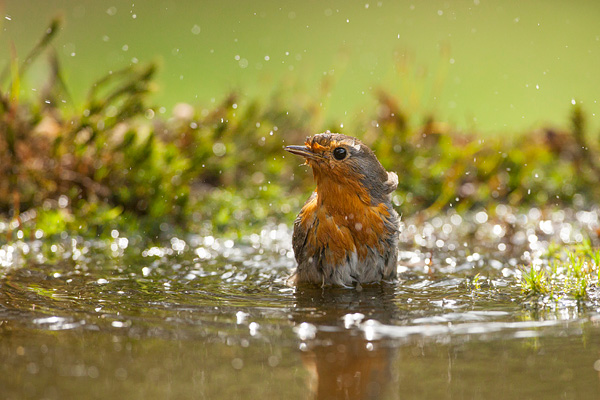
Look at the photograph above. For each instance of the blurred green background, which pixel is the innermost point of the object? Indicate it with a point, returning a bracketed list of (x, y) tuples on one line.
[(473, 104), (491, 66)]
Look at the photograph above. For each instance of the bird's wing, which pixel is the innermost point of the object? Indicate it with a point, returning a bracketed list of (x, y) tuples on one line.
[(300, 234)]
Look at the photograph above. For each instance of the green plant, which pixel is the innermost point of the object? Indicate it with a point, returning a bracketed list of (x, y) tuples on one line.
[(535, 281)]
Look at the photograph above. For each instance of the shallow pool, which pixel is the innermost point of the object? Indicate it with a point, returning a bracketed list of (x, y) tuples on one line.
[(202, 317)]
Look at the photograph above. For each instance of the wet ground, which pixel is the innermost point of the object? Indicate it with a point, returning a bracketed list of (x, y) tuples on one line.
[(212, 319)]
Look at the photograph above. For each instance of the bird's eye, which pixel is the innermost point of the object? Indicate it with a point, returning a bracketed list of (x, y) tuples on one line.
[(339, 153)]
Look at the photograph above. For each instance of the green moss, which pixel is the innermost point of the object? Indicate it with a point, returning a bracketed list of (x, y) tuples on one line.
[(564, 271)]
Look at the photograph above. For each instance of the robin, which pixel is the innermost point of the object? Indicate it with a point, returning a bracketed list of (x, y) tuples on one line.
[(347, 231)]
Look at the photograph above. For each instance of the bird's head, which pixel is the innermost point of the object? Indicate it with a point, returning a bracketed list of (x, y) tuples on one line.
[(342, 163)]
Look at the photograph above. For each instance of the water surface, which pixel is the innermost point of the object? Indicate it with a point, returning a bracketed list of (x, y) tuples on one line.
[(201, 317)]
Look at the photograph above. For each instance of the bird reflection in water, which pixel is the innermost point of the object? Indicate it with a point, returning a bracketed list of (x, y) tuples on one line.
[(343, 357)]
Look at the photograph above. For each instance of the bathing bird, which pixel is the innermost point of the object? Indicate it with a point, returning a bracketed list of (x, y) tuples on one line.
[(347, 231)]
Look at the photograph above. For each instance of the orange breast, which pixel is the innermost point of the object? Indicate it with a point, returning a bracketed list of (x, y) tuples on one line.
[(342, 226)]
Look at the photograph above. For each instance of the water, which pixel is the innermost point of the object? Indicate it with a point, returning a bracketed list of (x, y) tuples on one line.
[(208, 318)]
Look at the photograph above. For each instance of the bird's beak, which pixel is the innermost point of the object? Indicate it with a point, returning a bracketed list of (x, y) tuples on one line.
[(303, 151)]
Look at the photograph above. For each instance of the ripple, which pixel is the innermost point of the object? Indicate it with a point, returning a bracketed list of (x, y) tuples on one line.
[(453, 281)]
